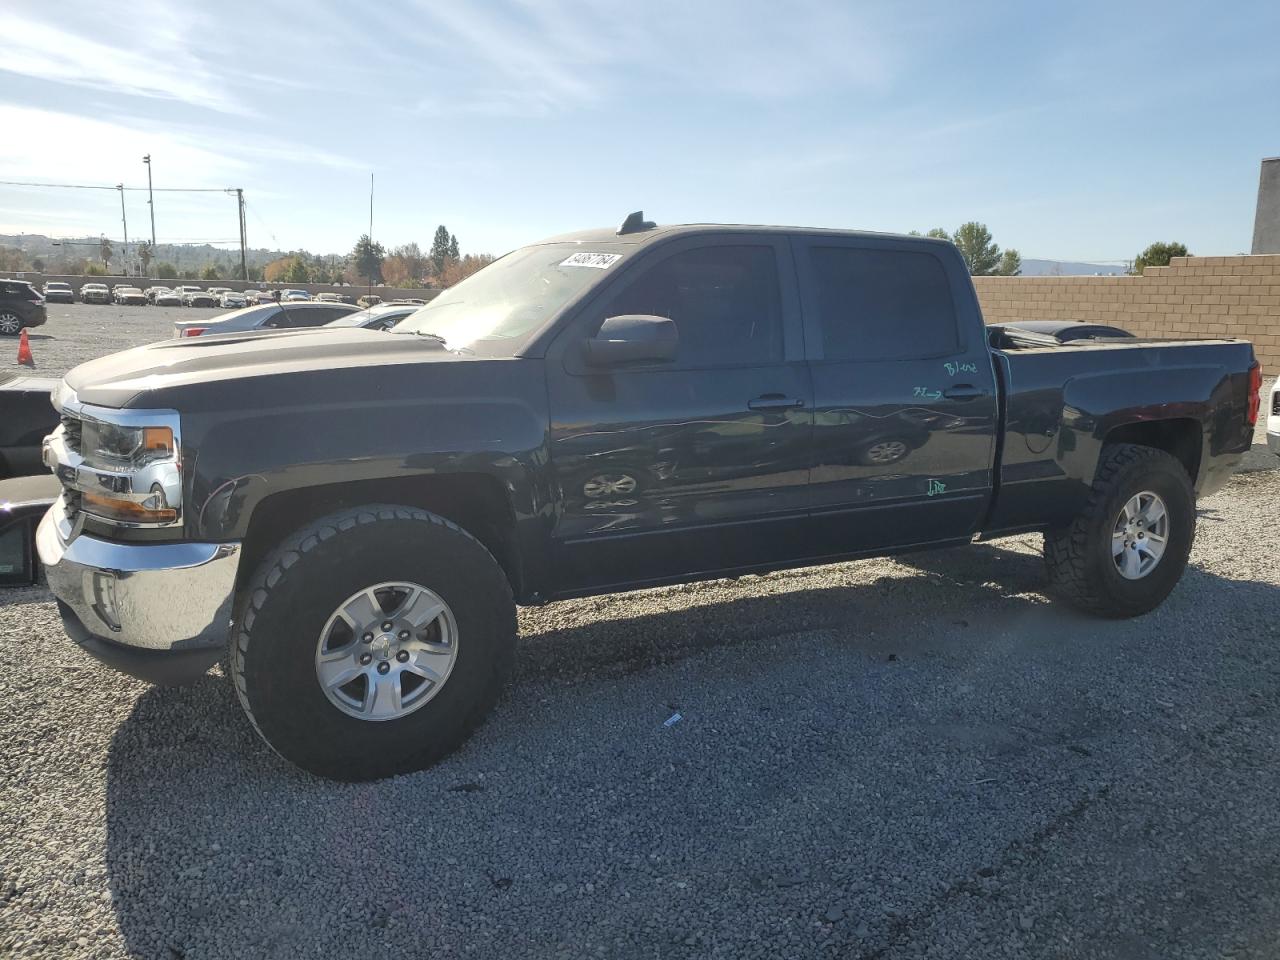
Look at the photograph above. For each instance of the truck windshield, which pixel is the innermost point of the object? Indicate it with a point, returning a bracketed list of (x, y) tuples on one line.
[(494, 309)]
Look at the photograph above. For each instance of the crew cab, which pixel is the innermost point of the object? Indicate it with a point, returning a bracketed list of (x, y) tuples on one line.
[(353, 515)]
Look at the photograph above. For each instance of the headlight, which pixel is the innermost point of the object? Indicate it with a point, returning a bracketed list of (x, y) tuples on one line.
[(110, 444), (125, 466)]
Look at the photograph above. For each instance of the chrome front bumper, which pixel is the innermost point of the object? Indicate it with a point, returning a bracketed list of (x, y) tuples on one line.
[(146, 598)]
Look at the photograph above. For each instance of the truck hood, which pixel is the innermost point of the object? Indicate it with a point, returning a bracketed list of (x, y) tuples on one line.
[(115, 380)]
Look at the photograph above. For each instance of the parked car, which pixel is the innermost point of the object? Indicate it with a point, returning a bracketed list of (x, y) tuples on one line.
[(95, 293), (26, 418), (382, 317), (21, 305), (231, 300), (329, 298), (129, 296), (195, 297), (253, 297), (1273, 419), (59, 291), (218, 291), (415, 300), (353, 516), (161, 296), (295, 296), (266, 316), (1062, 331), (369, 300)]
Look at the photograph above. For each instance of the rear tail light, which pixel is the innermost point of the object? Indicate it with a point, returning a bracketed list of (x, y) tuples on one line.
[(1255, 393), (192, 331)]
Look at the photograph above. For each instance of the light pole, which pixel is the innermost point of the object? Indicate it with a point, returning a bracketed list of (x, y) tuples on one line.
[(125, 223), (151, 203)]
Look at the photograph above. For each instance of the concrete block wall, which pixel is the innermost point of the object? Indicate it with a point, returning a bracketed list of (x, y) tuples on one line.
[(1193, 297)]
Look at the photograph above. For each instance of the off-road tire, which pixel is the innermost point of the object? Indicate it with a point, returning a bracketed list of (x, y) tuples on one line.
[(295, 589), (1078, 557)]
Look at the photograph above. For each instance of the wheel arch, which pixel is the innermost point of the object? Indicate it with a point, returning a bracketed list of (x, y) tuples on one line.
[(1180, 437), (476, 502)]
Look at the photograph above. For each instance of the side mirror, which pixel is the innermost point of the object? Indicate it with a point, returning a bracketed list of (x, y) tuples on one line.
[(630, 338)]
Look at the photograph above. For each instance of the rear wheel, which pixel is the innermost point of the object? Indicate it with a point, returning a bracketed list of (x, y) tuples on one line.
[(1126, 550), (373, 642)]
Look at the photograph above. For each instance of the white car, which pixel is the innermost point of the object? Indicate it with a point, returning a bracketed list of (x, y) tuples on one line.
[(231, 300), (1273, 419)]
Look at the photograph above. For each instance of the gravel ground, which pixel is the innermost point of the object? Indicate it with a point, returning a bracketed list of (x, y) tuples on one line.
[(76, 332), (890, 758)]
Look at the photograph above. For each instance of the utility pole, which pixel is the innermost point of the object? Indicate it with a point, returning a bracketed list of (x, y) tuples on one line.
[(151, 204), (371, 229), (244, 265), (125, 222)]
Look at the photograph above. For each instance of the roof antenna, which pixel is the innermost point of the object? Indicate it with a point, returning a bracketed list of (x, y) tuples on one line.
[(635, 223)]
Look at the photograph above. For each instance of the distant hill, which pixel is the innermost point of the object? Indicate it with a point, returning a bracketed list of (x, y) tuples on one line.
[(1065, 268)]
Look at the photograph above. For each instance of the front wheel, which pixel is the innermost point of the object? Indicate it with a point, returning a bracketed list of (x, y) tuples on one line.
[(373, 642), (1126, 550), (10, 323)]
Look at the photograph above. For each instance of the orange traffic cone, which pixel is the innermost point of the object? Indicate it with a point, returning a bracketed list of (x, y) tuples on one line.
[(24, 350)]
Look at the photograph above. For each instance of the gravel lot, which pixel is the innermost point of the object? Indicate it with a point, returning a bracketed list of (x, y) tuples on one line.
[(890, 758)]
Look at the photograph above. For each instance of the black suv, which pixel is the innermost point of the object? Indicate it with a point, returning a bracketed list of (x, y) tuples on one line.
[(21, 305)]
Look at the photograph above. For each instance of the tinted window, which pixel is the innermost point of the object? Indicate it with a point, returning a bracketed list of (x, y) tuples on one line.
[(724, 301), (882, 304), (308, 315)]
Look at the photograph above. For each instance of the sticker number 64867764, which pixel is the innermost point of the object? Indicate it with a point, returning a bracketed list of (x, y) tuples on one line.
[(601, 261)]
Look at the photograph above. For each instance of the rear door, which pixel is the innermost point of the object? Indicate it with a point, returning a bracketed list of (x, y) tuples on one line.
[(695, 465), (904, 393)]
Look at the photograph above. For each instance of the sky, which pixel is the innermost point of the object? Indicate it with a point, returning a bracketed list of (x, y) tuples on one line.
[(1078, 131)]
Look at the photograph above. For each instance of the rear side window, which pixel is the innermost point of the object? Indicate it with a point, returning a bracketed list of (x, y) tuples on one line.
[(724, 300), (882, 304)]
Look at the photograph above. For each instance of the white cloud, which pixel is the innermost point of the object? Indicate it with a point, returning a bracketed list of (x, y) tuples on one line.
[(532, 57), (148, 60)]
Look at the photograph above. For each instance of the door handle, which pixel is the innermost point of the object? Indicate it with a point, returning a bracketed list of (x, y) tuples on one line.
[(963, 391), (774, 401)]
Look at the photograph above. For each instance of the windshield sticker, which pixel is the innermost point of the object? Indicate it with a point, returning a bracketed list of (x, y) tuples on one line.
[(601, 261)]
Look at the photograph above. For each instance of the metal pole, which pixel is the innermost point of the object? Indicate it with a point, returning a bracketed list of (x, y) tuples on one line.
[(151, 204), (244, 266), (125, 222), (371, 230)]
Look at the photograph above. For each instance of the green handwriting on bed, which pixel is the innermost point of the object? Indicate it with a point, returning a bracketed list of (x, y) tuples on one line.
[(936, 487)]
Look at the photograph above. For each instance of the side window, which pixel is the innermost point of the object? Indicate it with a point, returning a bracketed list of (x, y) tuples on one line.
[(882, 304), (724, 300), (279, 317)]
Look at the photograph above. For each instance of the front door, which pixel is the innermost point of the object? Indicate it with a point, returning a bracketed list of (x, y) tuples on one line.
[(904, 393), (695, 465)]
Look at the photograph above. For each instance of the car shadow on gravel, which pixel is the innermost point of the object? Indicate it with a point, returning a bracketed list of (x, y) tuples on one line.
[(189, 784)]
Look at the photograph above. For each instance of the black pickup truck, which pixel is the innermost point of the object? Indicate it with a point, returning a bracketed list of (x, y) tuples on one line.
[(356, 513)]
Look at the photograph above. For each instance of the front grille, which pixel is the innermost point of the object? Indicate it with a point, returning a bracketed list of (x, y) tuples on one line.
[(71, 429)]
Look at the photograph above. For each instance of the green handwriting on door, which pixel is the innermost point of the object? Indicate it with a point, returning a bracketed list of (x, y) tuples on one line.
[(954, 368), (936, 487), (926, 394)]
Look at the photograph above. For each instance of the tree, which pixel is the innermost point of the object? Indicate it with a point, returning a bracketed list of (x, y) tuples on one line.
[(93, 270), (367, 257), (210, 273), (938, 234), (296, 271), (439, 249), (37, 265), (456, 270), (980, 253), (453, 248), (104, 252), (1158, 255), (1010, 263), (145, 255), (166, 269)]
